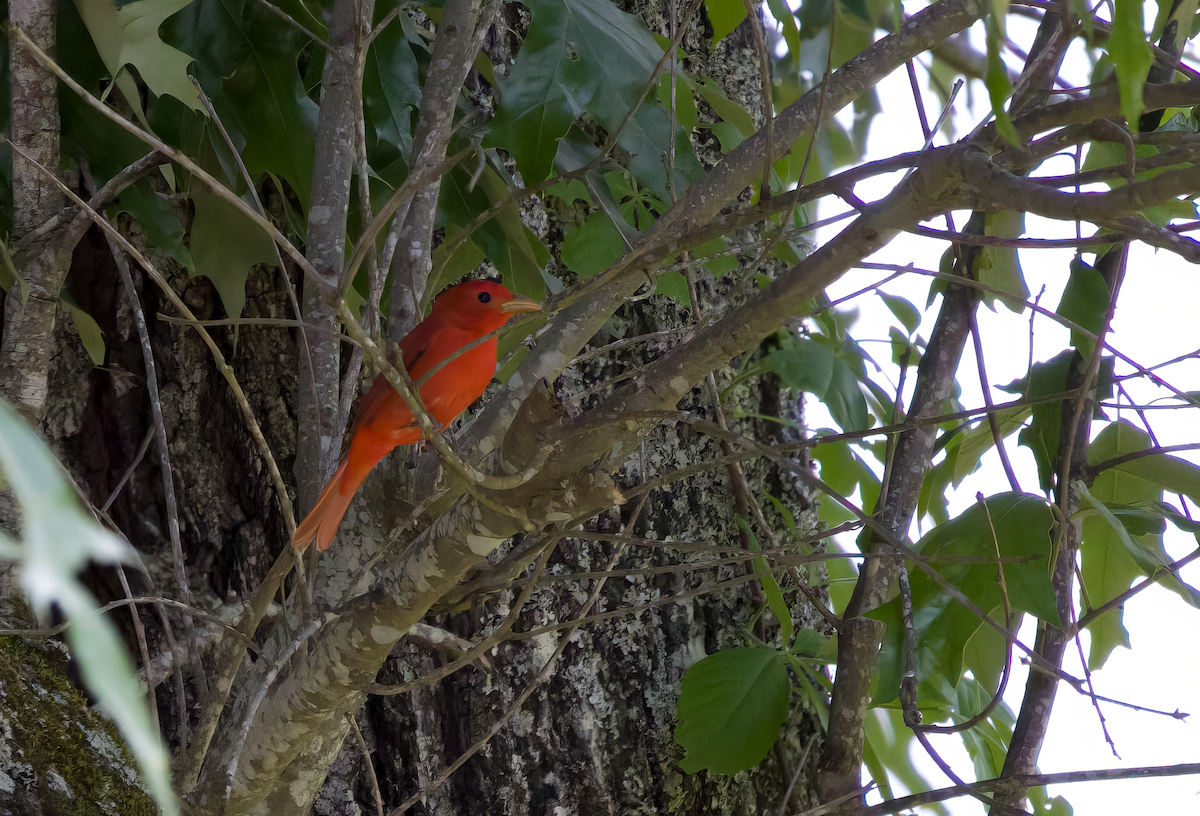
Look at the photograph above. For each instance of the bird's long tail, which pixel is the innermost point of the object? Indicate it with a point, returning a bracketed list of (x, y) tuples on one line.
[(323, 520)]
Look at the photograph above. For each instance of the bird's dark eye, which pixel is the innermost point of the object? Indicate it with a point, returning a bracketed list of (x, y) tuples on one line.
[(485, 297)]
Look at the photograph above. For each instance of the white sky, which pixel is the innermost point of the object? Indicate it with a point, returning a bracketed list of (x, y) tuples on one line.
[(1156, 320)]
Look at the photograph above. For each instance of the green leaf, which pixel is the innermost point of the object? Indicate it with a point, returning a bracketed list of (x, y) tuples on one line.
[(999, 267), (594, 247), (904, 311), (802, 363), (1016, 524), (986, 652), (725, 16), (1131, 56), (129, 36), (844, 471), (770, 587), (1106, 564), (685, 102), (248, 67), (980, 439), (1147, 557), (998, 84), (587, 55), (522, 257), (1168, 472), (57, 540), (673, 285), (730, 136), (731, 705), (1041, 437), (447, 270), (225, 245), (844, 398), (157, 218), (719, 263), (1084, 302), (729, 111), (90, 333), (571, 191), (391, 91)]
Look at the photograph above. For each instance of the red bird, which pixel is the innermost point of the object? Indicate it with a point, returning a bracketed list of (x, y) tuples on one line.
[(460, 315)]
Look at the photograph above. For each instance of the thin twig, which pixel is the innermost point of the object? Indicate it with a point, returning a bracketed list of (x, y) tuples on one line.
[(986, 387), (370, 766), (168, 479)]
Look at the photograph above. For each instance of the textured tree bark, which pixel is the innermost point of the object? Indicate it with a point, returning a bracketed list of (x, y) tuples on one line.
[(26, 342), (341, 109)]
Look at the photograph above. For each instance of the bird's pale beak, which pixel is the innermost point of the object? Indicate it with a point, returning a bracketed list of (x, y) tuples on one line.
[(520, 304)]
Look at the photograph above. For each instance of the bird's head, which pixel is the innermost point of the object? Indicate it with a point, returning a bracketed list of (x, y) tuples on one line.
[(480, 305)]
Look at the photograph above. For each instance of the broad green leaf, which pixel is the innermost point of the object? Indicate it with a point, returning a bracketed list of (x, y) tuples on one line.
[(986, 652), (390, 88), (225, 245), (719, 259), (1041, 437), (157, 218), (986, 743), (594, 247), (571, 191), (811, 643), (999, 267), (725, 16), (980, 439), (646, 138), (505, 240), (844, 398), (1084, 302), (129, 36), (1148, 557), (731, 705), (802, 363), (57, 540), (844, 471), (673, 285), (904, 311), (523, 256), (1131, 56), (685, 102), (542, 94), (1106, 565), (447, 270), (90, 333), (1168, 472), (248, 67), (728, 135), (729, 111), (587, 55), (1016, 524)]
